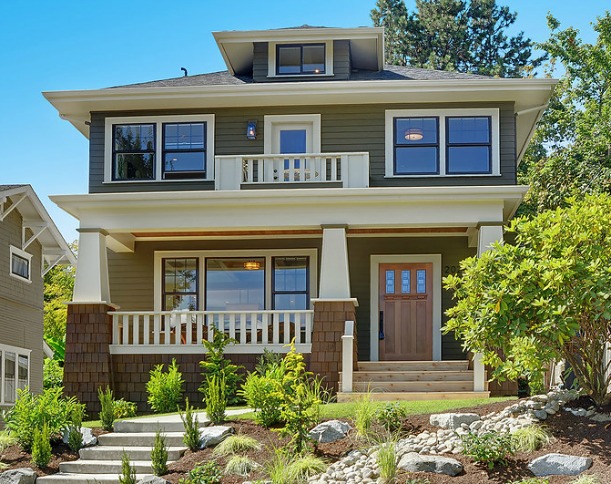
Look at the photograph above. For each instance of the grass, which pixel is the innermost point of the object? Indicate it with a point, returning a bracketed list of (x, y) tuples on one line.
[(236, 444), (387, 462), (240, 465), (531, 438)]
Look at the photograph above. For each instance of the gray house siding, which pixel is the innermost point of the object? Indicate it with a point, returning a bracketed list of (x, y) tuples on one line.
[(344, 128)]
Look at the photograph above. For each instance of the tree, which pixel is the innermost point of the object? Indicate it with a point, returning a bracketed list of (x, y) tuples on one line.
[(455, 35), (58, 287), (546, 297)]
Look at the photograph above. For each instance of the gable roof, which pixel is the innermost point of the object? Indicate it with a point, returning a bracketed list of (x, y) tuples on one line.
[(55, 249)]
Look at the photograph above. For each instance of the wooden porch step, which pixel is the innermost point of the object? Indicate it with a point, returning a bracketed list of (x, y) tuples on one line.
[(394, 366), (438, 375), (411, 396), (413, 386)]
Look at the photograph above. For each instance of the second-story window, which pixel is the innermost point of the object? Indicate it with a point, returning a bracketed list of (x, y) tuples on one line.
[(184, 150), (133, 152), (296, 59)]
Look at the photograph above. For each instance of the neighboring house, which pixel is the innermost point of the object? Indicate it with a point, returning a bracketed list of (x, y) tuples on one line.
[(30, 245), (306, 186)]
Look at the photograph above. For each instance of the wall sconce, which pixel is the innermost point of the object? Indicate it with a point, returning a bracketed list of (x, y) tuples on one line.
[(251, 130)]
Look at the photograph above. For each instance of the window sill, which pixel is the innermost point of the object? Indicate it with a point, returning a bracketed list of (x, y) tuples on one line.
[(177, 180), (19, 278), (465, 175), (298, 76)]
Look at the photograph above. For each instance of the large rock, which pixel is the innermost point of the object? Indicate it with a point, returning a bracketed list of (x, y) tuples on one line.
[(88, 438), (18, 476), (330, 431), (153, 480), (453, 420), (213, 435), (414, 462), (559, 465)]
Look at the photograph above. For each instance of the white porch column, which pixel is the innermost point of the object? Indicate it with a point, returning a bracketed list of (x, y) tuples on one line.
[(91, 282), (334, 275), (487, 235)]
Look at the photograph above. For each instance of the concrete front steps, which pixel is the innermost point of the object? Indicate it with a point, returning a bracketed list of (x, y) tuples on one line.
[(412, 380)]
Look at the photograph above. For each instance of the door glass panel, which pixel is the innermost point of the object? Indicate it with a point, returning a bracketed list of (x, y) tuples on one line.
[(405, 282), (390, 282), (293, 140), (421, 281)]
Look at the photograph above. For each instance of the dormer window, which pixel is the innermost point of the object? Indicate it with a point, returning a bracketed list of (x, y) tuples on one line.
[(297, 59)]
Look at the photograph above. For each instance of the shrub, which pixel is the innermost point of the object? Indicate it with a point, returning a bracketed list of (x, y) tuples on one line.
[(490, 449), (268, 361), (263, 393), (391, 416), (41, 447), (159, 455), (531, 438), (364, 415), (124, 409), (165, 389), (236, 444), (128, 472), (216, 364), (240, 465), (303, 467), (52, 374), (387, 462), (33, 411), (191, 438), (75, 437), (204, 473), (107, 413), (215, 398)]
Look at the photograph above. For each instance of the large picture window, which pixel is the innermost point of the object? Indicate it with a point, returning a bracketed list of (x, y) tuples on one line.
[(235, 284), (14, 372)]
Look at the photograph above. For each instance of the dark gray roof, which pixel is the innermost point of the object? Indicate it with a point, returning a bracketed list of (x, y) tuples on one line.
[(390, 73), (6, 188)]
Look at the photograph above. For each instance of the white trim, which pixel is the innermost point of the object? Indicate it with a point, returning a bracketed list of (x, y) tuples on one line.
[(442, 114), (198, 349), (273, 122), (203, 254), (375, 262), (24, 255), (158, 122), (18, 351), (271, 55)]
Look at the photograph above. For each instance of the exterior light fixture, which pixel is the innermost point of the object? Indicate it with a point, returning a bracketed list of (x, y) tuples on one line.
[(251, 129), (413, 134), (252, 265)]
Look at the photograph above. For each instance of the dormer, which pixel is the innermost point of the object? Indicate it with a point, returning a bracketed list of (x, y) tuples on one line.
[(303, 53)]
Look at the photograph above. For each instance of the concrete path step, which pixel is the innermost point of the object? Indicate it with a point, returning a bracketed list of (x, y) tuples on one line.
[(141, 439), (84, 478), (152, 425), (113, 452), (104, 466)]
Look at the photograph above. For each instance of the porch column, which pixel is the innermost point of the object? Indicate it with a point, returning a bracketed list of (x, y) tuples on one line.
[(333, 307), (91, 282), (487, 235)]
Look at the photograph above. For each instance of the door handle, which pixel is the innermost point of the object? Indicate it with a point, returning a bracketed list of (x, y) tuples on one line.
[(381, 326)]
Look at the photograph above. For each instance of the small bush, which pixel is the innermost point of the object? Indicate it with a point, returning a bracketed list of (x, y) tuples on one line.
[(215, 398), (192, 437), (303, 467), (263, 393), (268, 361), (489, 449), (41, 447), (240, 465), (107, 413), (531, 438), (204, 473), (165, 389), (236, 444), (75, 437), (391, 416), (216, 364), (124, 409), (387, 462), (52, 374), (364, 414), (128, 472), (159, 455)]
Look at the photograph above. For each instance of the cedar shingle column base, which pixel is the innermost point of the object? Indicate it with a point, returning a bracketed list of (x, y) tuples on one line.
[(329, 319), (87, 364)]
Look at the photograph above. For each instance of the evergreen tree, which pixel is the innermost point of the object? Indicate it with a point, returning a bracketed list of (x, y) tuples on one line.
[(392, 15)]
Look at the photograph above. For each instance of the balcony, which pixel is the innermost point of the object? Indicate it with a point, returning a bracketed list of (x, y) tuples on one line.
[(171, 332), (239, 172)]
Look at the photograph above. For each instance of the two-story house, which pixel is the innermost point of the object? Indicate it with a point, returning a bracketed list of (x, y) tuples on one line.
[(306, 186), (30, 245)]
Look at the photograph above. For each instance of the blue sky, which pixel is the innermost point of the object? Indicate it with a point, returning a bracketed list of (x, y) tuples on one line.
[(88, 44)]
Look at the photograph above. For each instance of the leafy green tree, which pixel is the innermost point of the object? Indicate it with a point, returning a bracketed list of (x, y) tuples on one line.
[(546, 297), (58, 287)]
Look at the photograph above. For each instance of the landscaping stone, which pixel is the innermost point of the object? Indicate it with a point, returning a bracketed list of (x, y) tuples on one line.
[(18, 476), (330, 431), (453, 420), (413, 462), (559, 465), (88, 438), (153, 480), (601, 417), (214, 435)]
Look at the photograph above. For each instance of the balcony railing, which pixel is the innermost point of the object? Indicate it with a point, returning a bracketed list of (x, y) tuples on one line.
[(348, 170), (170, 332)]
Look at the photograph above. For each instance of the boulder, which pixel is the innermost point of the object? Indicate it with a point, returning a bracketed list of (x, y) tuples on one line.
[(559, 465), (18, 476), (88, 438), (214, 435), (330, 431), (153, 480), (453, 420), (414, 462)]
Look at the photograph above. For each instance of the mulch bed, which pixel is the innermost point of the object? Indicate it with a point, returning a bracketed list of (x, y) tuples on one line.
[(573, 435)]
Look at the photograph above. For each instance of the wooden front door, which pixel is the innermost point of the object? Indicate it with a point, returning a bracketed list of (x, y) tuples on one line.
[(406, 311)]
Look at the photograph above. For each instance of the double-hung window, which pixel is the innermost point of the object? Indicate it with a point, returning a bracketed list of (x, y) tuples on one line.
[(20, 264), (14, 372), (159, 148), (453, 142)]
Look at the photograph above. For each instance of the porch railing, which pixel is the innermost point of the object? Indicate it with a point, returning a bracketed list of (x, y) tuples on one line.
[(350, 170), (160, 332)]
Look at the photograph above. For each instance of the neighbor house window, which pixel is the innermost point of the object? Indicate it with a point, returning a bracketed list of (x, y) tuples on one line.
[(14, 372), (159, 148), (298, 59), (439, 143), (21, 264), (180, 283)]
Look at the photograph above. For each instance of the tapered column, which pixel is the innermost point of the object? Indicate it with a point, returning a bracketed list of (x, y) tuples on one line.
[(334, 274), (91, 283)]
